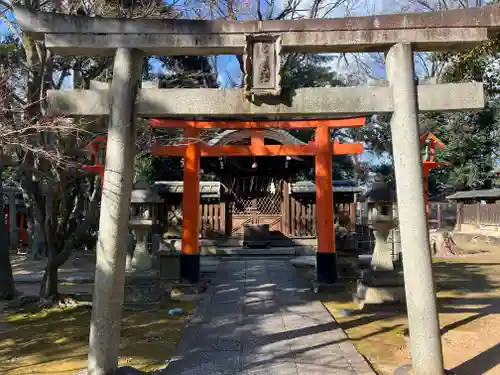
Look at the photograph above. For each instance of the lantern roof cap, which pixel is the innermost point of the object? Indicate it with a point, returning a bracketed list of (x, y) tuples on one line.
[(142, 192), (379, 192)]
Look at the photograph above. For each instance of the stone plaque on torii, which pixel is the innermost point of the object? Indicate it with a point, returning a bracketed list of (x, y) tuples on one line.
[(128, 40), (262, 65)]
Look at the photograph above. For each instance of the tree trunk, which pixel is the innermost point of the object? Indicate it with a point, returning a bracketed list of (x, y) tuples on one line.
[(7, 290), (39, 246), (49, 292)]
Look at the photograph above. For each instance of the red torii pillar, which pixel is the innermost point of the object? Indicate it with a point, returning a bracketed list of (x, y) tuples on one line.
[(326, 257), (322, 148), (190, 258)]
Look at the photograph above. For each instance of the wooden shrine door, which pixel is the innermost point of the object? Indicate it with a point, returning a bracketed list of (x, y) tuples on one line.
[(264, 208)]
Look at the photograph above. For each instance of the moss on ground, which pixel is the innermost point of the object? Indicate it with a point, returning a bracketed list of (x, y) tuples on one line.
[(468, 292), (55, 341)]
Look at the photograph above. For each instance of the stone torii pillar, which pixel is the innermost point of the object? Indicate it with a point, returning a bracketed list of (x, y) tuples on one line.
[(423, 322), (113, 224)]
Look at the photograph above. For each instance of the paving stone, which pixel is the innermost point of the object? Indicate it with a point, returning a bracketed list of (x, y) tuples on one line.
[(258, 318), (223, 321), (262, 324), (262, 307), (203, 337), (227, 296), (264, 345), (271, 368), (303, 320), (315, 369), (206, 363), (260, 294), (261, 286), (305, 338), (228, 310), (249, 359)]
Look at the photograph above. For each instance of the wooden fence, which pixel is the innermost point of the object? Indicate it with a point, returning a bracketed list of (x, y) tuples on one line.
[(479, 214), (212, 218), (298, 217), (442, 215), (302, 216)]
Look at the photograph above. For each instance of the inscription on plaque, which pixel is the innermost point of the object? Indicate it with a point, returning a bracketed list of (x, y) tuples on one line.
[(262, 64)]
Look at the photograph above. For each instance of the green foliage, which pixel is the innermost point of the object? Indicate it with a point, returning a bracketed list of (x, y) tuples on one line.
[(472, 143), (159, 168), (301, 70), (175, 71), (471, 140), (305, 70), (472, 65)]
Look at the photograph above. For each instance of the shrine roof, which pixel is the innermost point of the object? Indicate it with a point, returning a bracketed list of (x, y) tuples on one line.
[(232, 136), (212, 189), (208, 189), (309, 187), (475, 194)]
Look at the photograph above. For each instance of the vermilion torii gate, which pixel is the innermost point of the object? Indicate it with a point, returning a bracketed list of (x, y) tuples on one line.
[(322, 148)]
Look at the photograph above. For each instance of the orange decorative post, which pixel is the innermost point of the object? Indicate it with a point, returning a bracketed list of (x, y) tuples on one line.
[(97, 151), (190, 257), (429, 142), (326, 261)]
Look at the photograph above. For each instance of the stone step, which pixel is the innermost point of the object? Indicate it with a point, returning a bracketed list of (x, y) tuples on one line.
[(208, 246), (272, 251), (238, 258)]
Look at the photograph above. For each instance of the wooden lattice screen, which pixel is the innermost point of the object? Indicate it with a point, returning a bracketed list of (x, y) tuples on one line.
[(265, 205)]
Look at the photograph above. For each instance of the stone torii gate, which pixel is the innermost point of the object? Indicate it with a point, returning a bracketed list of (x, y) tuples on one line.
[(262, 43)]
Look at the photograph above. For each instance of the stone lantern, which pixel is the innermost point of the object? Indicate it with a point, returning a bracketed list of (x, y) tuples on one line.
[(380, 200), (143, 218), (380, 283)]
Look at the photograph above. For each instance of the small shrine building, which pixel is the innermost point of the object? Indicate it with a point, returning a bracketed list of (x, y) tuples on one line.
[(278, 191)]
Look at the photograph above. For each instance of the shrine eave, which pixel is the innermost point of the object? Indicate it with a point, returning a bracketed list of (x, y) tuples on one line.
[(212, 189), (208, 189), (475, 194), (309, 187)]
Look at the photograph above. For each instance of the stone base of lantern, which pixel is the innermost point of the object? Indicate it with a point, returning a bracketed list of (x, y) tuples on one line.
[(380, 288), (143, 287), (190, 268), (169, 265), (348, 265), (326, 268)]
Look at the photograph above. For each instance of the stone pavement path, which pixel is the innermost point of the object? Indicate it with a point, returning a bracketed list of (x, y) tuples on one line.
[(259, 318)]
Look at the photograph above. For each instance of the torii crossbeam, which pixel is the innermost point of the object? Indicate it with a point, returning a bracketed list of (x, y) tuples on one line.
[(322, 148)]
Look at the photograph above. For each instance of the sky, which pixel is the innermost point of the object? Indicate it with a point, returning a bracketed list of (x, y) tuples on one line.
[(228, 67)]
